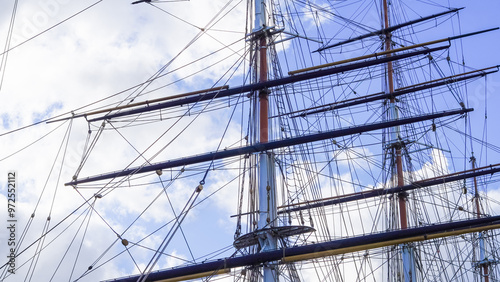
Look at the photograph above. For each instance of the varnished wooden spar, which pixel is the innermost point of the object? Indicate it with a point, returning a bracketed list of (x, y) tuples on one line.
[(147, 102), (268, 146), (374, 55), (264, 85), (390, 191), (388, 52), (398, 92), (158, 100), (456, 77), (388, 30), (330, 248)]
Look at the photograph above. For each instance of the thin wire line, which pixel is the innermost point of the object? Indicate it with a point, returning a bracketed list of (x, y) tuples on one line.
[(5, 54), (52, 27), (32, 143)]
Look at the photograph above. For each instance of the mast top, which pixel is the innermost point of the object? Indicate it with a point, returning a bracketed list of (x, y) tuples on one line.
[(260, 15)]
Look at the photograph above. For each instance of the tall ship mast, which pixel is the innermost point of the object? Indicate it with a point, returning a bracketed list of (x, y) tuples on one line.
[(309, 141)]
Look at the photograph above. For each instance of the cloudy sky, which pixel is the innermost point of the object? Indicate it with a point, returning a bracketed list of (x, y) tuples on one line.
[(66, 54), (106, 49)]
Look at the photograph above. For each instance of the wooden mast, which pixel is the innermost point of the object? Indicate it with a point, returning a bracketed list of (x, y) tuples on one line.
[(396, 148), (407, 253)]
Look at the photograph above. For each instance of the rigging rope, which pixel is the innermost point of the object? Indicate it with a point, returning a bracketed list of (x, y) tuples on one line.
[(45, 230), (86, 211), (178, 221), (5, 54), (52, 27), (164, 67), (32, 143)]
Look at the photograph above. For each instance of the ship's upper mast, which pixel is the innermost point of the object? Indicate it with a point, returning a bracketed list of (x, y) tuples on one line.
[(266, 184), (408, 257)]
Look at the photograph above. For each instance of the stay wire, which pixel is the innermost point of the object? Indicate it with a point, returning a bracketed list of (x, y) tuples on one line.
[(145, 209), (174, 16), (160, 73), (44, 233), (92, 207), (87, 211), (38, 251), (164, 67), (61, 168), (54, 239), (52, 27), (88, 149), (485, 122), (120, 253), (32, 143), (189, 205), (47, 222), (51, 169), (194, 73), (223, 134), (176, 216), (83, 239), (5, 54), (48, 231), (132, 257), (5, 274), (128, 142)]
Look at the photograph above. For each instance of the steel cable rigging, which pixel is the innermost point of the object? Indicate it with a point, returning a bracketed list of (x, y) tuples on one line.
[(5, 54)]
